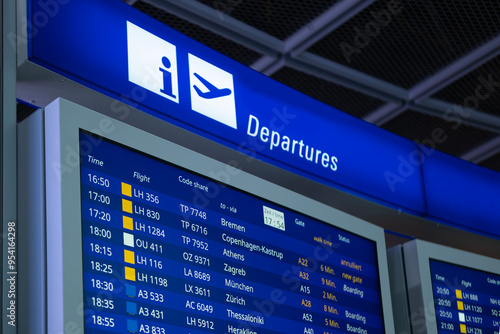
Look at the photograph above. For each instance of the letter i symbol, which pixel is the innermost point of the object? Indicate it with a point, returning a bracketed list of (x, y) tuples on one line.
[(167, 77)]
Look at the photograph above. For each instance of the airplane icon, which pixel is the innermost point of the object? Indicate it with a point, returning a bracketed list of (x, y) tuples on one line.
[(213, 92)]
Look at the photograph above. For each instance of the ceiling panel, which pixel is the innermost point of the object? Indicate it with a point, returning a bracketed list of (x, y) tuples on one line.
[(480, 89), (405, 44), (279, 18), (342, 98), (454, 140), (229, 48)]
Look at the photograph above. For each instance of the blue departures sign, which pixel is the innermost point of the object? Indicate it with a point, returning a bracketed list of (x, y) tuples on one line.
[(135, 59), (460, 192), (121, 52)]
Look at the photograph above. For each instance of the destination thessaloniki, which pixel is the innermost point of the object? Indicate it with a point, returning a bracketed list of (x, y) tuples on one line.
[(292, 146)]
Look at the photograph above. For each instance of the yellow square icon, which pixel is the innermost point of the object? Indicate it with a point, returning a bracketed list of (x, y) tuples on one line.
[(129, 256), (463, 328), (460, 305), (126, 205), (130, 274), (128, 223), (126, 189), (458, 293)]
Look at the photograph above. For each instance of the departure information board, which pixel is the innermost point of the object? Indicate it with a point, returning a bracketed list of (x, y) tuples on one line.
[(466, 300), (169, 251)]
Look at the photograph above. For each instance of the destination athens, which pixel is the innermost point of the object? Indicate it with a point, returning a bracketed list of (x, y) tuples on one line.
[(293, 146)]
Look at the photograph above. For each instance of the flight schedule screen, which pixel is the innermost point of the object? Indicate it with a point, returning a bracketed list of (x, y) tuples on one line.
[(466, 300), (169, 251)]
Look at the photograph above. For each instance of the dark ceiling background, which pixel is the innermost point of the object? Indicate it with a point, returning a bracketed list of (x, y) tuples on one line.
[(409, 67)]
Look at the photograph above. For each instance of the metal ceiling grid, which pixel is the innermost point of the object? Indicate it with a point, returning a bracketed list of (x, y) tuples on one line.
[(327, 92), (407, 43), (455, 139), (231, 49), (483, 82), (272, 16), (420, 59)]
